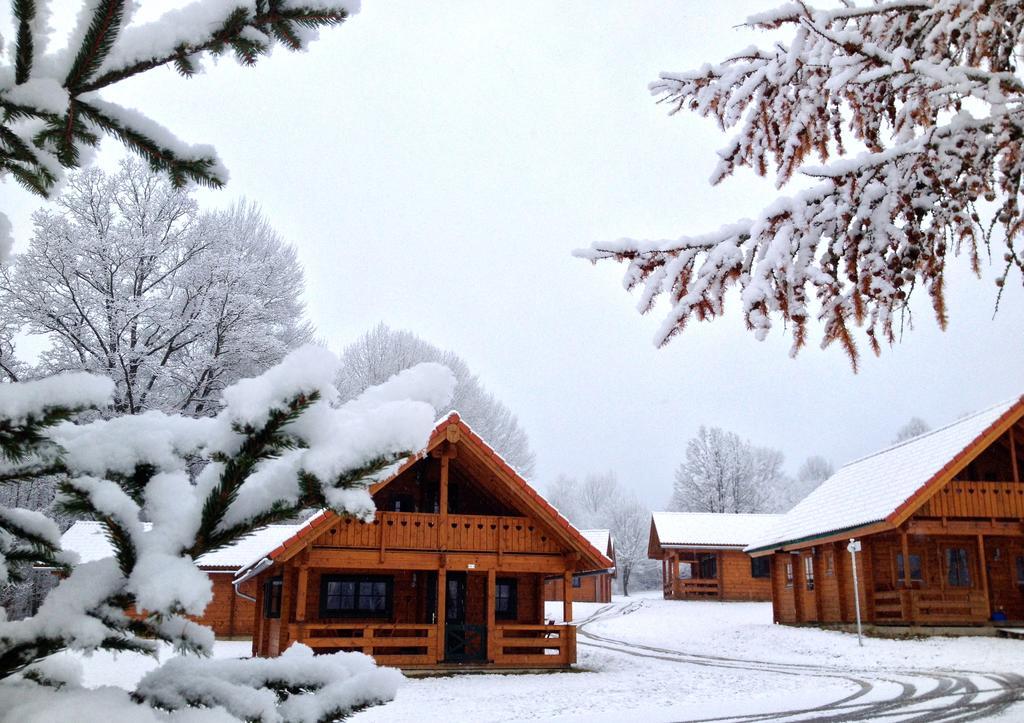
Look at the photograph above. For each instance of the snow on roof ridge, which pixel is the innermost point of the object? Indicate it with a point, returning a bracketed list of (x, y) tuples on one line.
[(744, 514), (1009, 402)]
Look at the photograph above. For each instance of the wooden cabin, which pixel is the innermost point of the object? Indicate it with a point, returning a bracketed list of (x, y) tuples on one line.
[(231, 613), (940, 522), (593, 586), (702, 555), (449, 572)]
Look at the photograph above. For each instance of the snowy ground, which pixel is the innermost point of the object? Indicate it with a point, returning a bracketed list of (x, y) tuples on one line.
[(659, 660)]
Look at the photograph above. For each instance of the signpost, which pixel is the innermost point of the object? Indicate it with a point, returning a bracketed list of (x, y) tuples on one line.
[(854, 548)]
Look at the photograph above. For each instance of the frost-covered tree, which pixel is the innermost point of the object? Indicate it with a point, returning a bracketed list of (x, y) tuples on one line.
[(52, 110), (280, 444), (724, 473), (382, 352), (601, 502), (914, 428), (914, 110), (630, 523), (812, 473), (127, 278)]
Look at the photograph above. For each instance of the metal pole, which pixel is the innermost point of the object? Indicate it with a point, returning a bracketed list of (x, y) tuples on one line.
[(853, 547)]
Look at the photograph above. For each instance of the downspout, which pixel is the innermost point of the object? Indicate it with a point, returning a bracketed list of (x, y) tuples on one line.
[(251, 573)]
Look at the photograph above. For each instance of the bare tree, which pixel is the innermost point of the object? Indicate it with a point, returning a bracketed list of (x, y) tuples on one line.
[(914, 428), (129, 279), (382, 352), (929, 89), (724, 473)]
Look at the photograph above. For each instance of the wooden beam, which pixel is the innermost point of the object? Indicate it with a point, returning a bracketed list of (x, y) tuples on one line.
[(442, 599), (443, 501), (320, 557), (839, 556), (983, 576), (300, 595), (491, 626), (1013, 453), (567, 597), (964, 527), (841, 536)]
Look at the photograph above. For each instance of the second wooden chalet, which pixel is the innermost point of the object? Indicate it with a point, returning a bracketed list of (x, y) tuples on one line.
[(940, 523), (450, 572), (595, 586), (702, 555), (232, 611)]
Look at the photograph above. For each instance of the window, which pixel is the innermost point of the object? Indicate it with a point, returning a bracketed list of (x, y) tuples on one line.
[(708, 565), (505, 598), (789, 574), (272, 597), (915, 569), (957, 569), (577, 581), (760, 567), (1020, 571), (355, 596), (403, 503), (809, 571)]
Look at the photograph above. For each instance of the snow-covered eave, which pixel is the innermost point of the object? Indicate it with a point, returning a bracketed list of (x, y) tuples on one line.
[(758, 550), (703, 546)]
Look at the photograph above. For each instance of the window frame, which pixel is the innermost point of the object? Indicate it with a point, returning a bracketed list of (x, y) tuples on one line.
[(809, 571), (900, 575), (512, 613), (789, 573), (273, 590), (761, 567), (327, 613), (958, 570), (577, 582), (1019, 564)]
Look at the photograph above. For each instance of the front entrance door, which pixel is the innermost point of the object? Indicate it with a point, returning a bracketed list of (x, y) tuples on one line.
[(463, 643)]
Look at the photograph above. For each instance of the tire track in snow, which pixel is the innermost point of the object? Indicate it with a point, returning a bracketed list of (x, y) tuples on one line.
[(946, 697)]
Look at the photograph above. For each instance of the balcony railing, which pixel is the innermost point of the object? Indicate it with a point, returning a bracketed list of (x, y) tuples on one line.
[(424, 531), (977, 499)]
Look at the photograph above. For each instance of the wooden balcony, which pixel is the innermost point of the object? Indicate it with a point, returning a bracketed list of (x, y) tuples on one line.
[(424, 531), (977, 499), (420, 646), (931, 607)]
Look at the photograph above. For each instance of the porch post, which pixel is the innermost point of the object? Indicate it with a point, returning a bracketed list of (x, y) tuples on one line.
[(567, 597), (674, 570), (1013, 453), (300, 598), (441, 600), (983, 575), (491, 627), (906, 597)]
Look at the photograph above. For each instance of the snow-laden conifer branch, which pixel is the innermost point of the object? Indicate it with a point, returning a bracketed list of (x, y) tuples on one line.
[(931, 90), (50, 109), (279, 444)]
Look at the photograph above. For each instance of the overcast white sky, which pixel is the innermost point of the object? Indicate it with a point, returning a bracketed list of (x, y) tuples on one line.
[(436, 163)]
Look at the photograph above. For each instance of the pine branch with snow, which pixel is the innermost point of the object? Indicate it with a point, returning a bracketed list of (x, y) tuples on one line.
[(930, 90), (50, 102), (281, 444)]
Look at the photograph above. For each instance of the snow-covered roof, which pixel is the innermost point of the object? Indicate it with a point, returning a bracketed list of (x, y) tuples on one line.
[(710, 529), (89, 540), (598, 538), (872, 488)]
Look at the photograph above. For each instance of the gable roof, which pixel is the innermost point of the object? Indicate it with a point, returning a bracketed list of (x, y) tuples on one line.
[(886, 486), (452, 428), (600, 539), (89, 540), (709, 529)]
